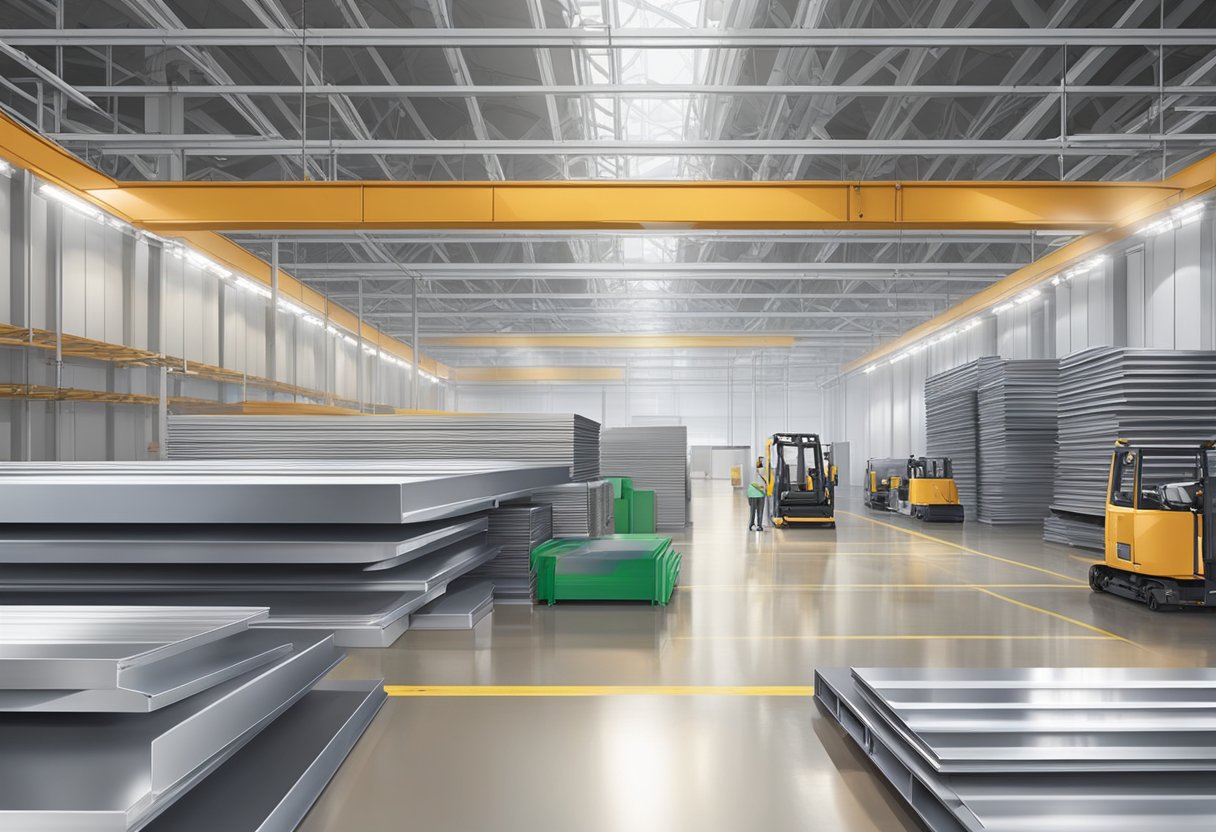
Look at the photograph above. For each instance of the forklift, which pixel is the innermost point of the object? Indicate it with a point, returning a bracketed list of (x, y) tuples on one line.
[(926, 491), (880, 472), (1155, 551), (800, 487)]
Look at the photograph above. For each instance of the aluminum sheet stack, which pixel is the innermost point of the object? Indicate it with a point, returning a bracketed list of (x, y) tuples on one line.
[(545, 438), (1017, 439), (516, 529), (466, 603), (125, 718), (1061, 749), (952, 424), (352, 547), (1162, 398), (656, 459), (580, 509)]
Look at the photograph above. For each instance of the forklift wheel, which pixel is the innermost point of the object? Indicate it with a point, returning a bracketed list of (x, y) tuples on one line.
[(1095, 579), (1153, 602)]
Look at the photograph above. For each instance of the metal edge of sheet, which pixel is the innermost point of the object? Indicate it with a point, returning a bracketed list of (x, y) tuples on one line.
[(304, 777)]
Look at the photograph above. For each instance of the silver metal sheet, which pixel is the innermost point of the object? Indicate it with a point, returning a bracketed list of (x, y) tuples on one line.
[(375, 546), (655, 457), (151, 687), (117, 771), (547, 438), (1132, 734), (466, 602), (421, 573), (1011, 801), (282, 771), (92, 646), (280, 492)]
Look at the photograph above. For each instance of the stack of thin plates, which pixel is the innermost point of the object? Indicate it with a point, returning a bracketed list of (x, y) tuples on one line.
[(354, 547), (548, 438), (122, 718), (580, 509), (516, 529), (1153, 398), (952, 425), (466, 602), (1017, 439), (656, 459), (1004, 750)]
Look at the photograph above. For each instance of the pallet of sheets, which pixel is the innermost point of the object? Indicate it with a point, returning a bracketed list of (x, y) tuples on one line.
[(1017, 439), (656, 459), (622, 567), (262, 492), (1159, 398), (1081, 531), (542, 438), (952, 424), (516, 529), (1005, 750), (579, 508), (153, 717)]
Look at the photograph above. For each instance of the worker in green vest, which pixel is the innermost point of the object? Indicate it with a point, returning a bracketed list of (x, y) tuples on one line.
[(755, 497)]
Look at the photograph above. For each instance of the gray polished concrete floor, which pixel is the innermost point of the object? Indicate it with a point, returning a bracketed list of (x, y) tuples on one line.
[(712, 737)]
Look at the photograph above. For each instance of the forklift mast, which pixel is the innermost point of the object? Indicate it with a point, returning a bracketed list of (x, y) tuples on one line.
[(1207, 485)]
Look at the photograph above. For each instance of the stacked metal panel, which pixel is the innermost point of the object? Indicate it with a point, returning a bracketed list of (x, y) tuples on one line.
[(466, 602), (122, 718), (952, 424), (544, 438), (354, 548), (516, 530), (580, 509), (623, 567), (1006, 750), (1017, 439), (656, 459), (1162, 398)]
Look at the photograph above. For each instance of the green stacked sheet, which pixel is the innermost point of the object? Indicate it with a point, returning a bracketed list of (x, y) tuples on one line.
[(621, 567)]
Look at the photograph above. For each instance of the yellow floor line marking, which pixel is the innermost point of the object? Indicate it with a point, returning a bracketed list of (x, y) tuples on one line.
[(1058, 616), (962, 548), (741, 587), (599, 690), (900, 637)]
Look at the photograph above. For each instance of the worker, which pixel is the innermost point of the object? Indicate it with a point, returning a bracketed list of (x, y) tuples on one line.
[(755, 497)]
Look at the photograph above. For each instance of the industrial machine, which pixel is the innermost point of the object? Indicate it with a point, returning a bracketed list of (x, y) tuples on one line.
[(926, 491), (1156, 511), (879, 475), (800, 485)]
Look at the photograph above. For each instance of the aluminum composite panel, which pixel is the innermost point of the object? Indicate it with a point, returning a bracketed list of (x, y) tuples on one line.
[(466, 602), (282, 771), (117, 771), (308, 492), (1017, 802), (89, 646)]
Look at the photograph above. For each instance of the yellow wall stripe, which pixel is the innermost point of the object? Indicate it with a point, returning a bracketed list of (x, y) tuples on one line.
[(599, 690)]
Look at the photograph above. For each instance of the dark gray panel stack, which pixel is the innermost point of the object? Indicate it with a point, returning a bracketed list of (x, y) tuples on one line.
[(580, 509), (952, 426), (1065, 749), (246, 533), (1017, 439), (120, 718), (656, 459), (1162, 398), (548, 438), (516, 529)]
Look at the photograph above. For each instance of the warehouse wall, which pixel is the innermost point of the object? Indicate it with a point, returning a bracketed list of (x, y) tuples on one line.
[(1153, 291), (112, 285), (713, 415)]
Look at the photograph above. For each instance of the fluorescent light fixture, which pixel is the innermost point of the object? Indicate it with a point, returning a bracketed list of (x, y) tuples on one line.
[(870, 369), (1056, 281), (5, 168), (252, 286), (1187, 214), (206, 264), (350, 340), (288, 306), (311, 319), (1002, 307), (1027, 296), (75, 203)]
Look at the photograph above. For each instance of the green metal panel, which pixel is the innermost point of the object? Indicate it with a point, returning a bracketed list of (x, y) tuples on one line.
[(642, 512), (622, 513), (623, 567), (622, 487)]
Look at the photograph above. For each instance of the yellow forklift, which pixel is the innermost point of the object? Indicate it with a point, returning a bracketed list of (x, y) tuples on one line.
[(800, 486), (881, 475), (927, 491), (1155, 551)]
